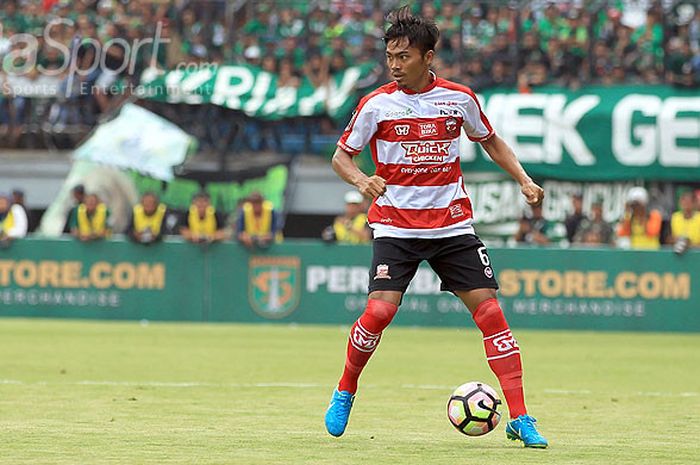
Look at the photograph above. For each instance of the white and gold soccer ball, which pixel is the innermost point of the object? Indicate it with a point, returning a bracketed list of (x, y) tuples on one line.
[(473, 408)]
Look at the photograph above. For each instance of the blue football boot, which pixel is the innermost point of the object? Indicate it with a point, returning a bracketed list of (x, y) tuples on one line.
[(523, 429), (338, 412)]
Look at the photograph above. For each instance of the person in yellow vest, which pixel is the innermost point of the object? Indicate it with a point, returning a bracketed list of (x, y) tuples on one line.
[(204, 223), (258, 223), (351, 227), (640, 226), (146, 225), (91, 221), (685, 224), (13, 222)]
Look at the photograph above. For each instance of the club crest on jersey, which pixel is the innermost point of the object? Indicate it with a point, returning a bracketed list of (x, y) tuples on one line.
[(382, 271), (428, 129), (427, 151), (451, 125), (402, 129)]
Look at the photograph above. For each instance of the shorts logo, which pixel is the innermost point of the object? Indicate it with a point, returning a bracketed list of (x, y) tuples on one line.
[(505, 342), (428, 129), (382, 272), (488, 272), (427, 151), (456, 211), (363, 340), (451, 125), (402, 129)]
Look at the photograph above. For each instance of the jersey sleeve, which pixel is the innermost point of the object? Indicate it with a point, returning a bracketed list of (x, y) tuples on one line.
[(476, 124), (359, 130)]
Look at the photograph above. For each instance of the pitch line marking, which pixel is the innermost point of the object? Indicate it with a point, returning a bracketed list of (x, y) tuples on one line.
[(289, 385)]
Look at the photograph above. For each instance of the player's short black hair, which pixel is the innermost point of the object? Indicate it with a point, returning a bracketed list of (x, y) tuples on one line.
[(201, 195), (421, 33)]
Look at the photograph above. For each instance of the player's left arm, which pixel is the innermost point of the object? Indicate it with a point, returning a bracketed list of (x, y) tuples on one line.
[(504, 157)]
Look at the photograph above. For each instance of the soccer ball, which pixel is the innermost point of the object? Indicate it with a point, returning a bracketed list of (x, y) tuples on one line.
[(473, 409)]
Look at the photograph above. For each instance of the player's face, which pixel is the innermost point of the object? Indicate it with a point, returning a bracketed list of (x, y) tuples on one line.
[(4, 205), (407, 65)]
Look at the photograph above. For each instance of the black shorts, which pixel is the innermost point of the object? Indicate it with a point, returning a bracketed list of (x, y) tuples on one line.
[(461, 262)]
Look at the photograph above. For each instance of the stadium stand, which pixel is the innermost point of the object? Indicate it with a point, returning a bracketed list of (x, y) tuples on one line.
[(488, 44)]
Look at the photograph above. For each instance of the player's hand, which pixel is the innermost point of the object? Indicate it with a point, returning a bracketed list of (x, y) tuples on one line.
[(532, 192), (372, 187)]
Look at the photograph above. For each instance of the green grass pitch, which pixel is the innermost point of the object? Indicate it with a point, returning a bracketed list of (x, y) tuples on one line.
[(123, 393)]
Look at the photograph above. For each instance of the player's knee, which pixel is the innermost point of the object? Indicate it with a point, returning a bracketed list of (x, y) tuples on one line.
[(488, 310), (381, 310)]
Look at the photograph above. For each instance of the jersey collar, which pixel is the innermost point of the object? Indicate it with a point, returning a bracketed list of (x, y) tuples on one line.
[(430, 86)]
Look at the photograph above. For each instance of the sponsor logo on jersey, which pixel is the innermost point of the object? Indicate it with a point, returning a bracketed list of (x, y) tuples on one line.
[(456, 211), (363, 340), (447, 103), (488, 272), (505, 343), (449, 112), (273, 285), (382, 271), (402, 129), (399, 113), (427, 151), (451, 125), (428, 129)]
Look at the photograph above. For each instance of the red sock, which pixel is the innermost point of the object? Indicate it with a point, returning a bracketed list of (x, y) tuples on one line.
[(502, 354), (364, 338)]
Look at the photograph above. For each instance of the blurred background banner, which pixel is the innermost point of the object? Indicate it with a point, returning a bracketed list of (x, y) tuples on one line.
[(256, 92), (597, 133), (226, 193), (140, 140)]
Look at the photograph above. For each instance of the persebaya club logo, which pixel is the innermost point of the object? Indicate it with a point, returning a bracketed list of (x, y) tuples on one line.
[(273, 285)]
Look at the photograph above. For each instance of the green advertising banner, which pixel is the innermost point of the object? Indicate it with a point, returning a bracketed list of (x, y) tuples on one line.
[(596, 133), (110, 280), (310, 282), (254, 91)]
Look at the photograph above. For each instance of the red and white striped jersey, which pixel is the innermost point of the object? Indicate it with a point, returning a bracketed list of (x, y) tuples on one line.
[(414, 140)]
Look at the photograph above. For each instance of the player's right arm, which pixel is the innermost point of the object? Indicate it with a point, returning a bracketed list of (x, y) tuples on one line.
[(357, 134), (344, 165)]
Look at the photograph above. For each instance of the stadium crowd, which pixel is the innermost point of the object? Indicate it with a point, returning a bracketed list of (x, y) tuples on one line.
[(484, 44)]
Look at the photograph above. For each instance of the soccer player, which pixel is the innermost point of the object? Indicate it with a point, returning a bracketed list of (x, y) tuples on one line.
[(421, 211)]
